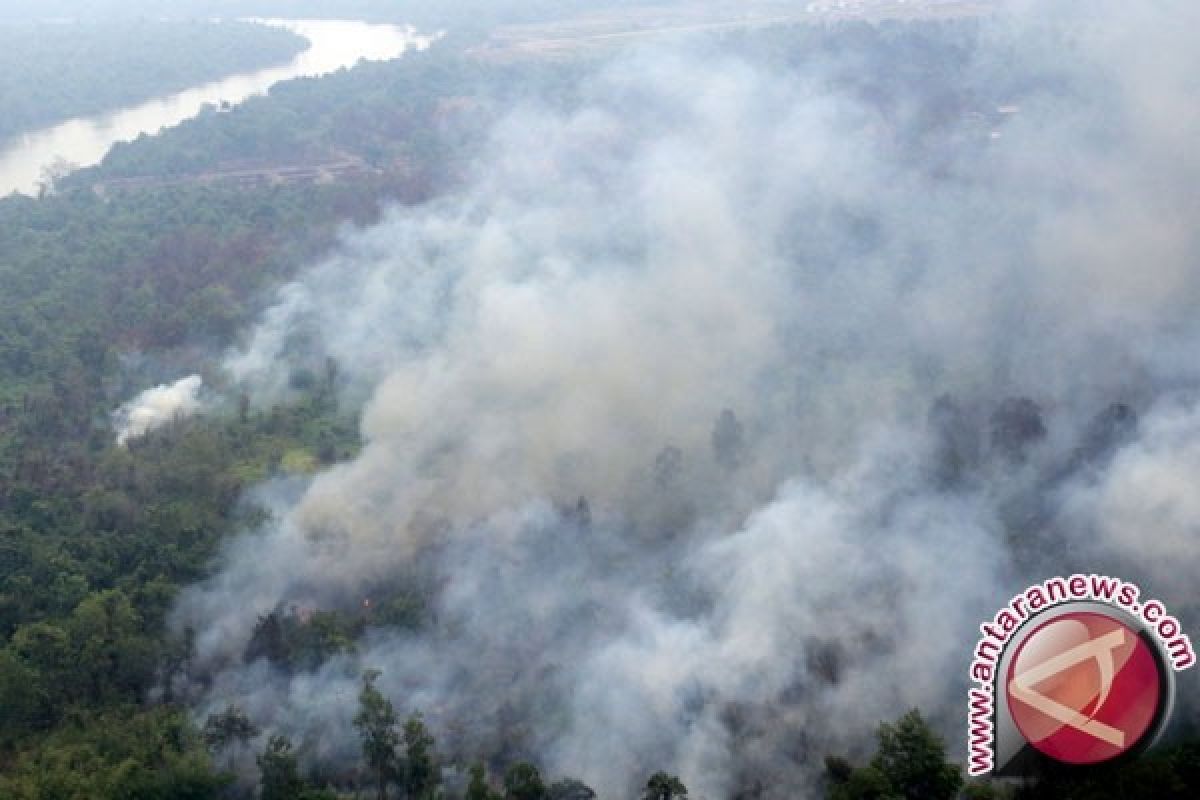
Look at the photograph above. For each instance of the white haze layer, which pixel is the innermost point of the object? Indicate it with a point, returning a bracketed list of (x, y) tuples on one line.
[(157, 406), (746, 595)]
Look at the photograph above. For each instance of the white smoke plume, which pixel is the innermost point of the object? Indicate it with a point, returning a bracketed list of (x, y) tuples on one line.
[(717, 412), (157, 406)]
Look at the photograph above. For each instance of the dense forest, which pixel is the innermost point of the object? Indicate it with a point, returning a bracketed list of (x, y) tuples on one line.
[(103, 293), (99, 296), (53, 72), (422, 115), (97, 539)]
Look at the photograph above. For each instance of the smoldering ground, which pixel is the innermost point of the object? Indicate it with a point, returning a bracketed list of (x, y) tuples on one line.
[(718, 410), (156, 407)]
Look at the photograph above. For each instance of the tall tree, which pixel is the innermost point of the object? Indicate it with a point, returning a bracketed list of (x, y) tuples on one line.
[(477, 788), (913, 758), (421, 776), (662, 786), (228, 727), (909, 764), (376, 723), (279, 776), (524, 782)]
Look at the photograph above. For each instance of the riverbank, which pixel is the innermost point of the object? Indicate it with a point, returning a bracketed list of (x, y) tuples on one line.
[(53, 72), (38, 158)]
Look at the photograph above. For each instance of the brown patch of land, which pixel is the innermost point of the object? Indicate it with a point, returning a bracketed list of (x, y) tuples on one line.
[(326, 171), (596, 32)]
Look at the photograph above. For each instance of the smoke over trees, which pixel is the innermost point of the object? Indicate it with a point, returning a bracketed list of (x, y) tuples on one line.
[(682, 438), (806, 332)]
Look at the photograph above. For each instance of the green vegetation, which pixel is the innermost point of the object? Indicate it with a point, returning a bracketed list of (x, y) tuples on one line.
[(662, 786), (100, 297), (910, 764), (95, 539), (50, 72), (1168, 773), (103, 296), (121, 753), (412, 118), (376, 723)]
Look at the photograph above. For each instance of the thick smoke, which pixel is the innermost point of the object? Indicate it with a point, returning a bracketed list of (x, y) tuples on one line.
[(157, 406), (717, 412)]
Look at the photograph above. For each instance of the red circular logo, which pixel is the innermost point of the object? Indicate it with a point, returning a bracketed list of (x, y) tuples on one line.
[(1084, 687)]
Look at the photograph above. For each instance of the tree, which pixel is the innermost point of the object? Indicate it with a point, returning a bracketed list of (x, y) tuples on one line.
[(376, 723), (268, 641), (913, 759), (981, 791), (478, 788), (21, 696), (866, 783), (113, 658), (229, 726), (1166, 773), (524, 782), (126, 754), (909, 764), (279, 776), (570, 789), (662, 786), (420, 773)]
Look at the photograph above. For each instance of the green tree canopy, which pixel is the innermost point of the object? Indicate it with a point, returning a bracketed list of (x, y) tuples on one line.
[(909, 764), (663, 786), (376, 724), (524, 782), (420, 771), (478, 787), (279, 776)]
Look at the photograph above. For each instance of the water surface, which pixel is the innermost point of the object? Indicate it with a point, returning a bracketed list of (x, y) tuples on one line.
[(84, 141)]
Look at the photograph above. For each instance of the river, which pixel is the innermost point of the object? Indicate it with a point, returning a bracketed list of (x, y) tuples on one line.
[(84, 141)]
